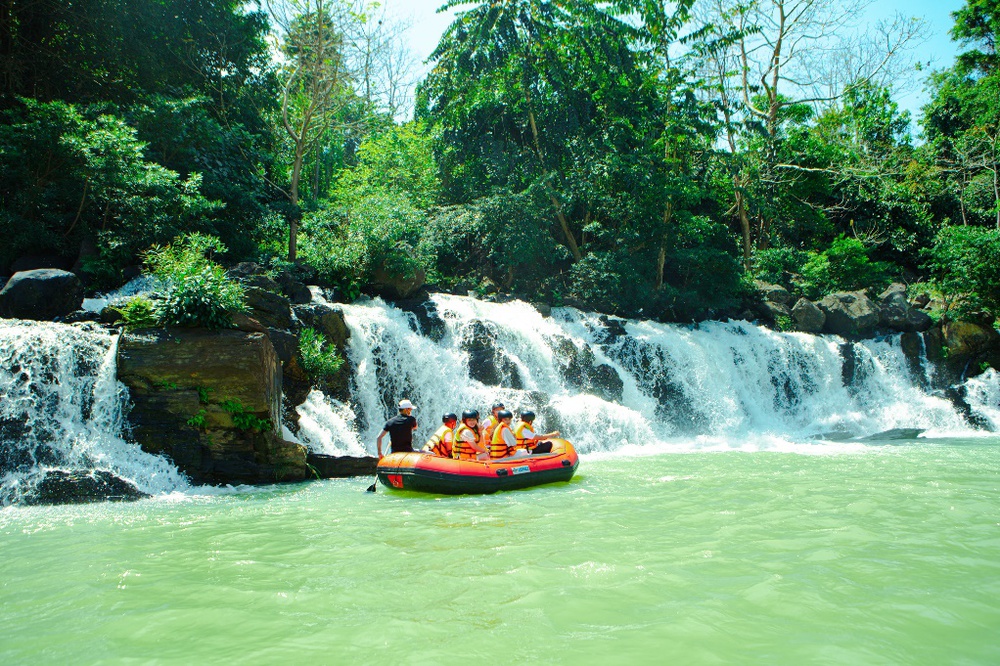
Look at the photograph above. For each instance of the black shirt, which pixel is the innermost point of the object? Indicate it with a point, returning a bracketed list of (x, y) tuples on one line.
[(400, 430)]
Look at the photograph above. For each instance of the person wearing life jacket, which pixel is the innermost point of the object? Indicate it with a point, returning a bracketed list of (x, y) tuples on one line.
[(503, 442), (489, 425), (468, 445), (441, 442), (524, 433)]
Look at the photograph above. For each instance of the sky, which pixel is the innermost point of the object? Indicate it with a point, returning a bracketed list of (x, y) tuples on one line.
[(938, 50)]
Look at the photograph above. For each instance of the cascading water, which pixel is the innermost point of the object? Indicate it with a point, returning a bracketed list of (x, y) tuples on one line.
[(631, 386), (61, 407)]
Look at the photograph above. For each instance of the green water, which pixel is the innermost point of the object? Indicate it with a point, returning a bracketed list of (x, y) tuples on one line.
[(890, 556)]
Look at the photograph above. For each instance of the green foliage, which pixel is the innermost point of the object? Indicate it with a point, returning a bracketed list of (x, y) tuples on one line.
[(964, 263), (138, 312), (844, 266), (203, 392), (243, 419), (198, 420), (776, 264), (197, 291), (319, 359)]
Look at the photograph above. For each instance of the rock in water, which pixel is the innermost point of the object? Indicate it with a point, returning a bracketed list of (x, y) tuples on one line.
[(59, 487), (42, 295), (210, 400), (895, 311)]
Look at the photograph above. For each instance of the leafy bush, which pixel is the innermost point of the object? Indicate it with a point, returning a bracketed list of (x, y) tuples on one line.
[(845, 266), (964, 263), (138, 312), (774, 264), (197, 293), (319, 359)]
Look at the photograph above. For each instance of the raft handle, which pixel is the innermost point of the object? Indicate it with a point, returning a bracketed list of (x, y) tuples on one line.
[(502, 472), (566, 463)]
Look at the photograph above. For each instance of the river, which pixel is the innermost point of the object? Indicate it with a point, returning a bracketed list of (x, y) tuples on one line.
[(734, 504)]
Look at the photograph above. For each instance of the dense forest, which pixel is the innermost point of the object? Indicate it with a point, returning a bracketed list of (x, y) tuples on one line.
[(621, 156)]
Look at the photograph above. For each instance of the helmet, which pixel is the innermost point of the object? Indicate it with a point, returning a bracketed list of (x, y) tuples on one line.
[(497, 405), (448, 417), (527, 416), (504, 414), (470, 414)]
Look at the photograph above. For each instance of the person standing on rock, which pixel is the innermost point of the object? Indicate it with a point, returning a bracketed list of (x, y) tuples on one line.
[(400, 429)]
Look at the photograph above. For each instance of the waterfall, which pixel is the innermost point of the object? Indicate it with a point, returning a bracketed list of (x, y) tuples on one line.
[(630, 386), (61, 407)]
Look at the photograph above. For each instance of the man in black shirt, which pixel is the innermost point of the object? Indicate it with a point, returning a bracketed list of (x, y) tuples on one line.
[(400, 429)]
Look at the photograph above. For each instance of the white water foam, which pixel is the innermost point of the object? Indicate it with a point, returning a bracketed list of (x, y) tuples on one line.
[(717, 386), (61, 407)]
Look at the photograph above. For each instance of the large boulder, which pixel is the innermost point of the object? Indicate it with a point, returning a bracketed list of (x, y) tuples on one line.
[(61, 487), (967, 341), (896, 313), (808, 317), (850, 314), (488, 362), (211, 401), (43, 294), (580, 369), (268, 308), (773, 293), (339, 467)]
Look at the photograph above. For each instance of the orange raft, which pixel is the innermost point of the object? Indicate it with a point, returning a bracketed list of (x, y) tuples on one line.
[(434, 474)]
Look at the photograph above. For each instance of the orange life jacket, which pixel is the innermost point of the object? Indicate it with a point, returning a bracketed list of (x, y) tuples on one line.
[(439, 446), (519, 435), (461, 449), (498, 447)]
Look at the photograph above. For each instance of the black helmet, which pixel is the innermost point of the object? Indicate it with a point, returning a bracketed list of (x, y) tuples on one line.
[(448, 417), (497, 405), (470, 414), (528, 416), (504, 414)]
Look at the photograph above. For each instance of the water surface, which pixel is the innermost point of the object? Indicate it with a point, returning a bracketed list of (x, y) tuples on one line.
[(883, 555)]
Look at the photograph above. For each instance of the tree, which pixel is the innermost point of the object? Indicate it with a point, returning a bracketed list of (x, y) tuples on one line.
[(773, 55)]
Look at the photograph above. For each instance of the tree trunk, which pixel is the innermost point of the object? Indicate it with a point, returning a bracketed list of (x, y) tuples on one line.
[(741, 210), (293, 223)]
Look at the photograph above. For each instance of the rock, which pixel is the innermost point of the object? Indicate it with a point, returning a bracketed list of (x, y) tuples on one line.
[(850, 314), (895, 311), (271, 310), (244, 322), (893, 435), (429, 322), (913, 349), (245, 269), (41, 295), (922, 301), (579, 368), (544, 309), (808, 317), (773, 293), (488, 363), (286, 345), (339, 467), (777, 313), (111, 316), (613, 329), (392, 286), (61, 487), (293, 289), (965, 340), (327, 320), (80, 316), (210, 400), (261, 282)]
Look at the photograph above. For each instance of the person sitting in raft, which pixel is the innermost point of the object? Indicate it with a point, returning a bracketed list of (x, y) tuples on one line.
[(400, 429), (440, 443), (468, 445), (524, 433), (490, 424), (503, 444)]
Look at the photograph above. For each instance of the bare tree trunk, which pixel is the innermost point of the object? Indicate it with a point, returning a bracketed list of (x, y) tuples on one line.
[(293, 225), (741, 209)]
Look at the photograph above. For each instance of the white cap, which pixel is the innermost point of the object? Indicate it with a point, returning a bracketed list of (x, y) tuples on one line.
[(406, 404)]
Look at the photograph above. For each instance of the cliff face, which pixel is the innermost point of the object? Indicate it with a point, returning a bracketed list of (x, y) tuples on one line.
[(211, 401)]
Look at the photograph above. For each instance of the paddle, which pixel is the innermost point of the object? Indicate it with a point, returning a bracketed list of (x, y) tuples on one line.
[(371, 488)]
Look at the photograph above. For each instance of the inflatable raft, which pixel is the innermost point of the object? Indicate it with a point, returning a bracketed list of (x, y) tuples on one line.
[(434, 474)]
